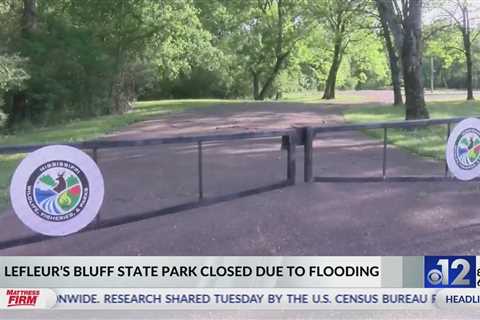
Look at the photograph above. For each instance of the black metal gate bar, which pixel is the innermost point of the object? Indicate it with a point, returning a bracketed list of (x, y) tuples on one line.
[(107, 144), (389, 179), (389, 124), (108, 223)]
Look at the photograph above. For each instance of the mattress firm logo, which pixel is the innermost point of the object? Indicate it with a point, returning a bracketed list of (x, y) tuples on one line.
[(22, 298), (57, 191)]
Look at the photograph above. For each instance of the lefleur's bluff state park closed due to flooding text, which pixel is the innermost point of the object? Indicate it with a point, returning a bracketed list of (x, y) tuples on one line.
[(214, 130), (191, 271)]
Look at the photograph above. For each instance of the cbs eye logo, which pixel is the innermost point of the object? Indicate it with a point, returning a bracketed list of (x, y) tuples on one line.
[(450, 272)]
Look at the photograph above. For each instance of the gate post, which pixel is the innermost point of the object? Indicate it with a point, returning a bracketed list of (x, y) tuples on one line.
[(200, 171), (291, 159), (308, 155)]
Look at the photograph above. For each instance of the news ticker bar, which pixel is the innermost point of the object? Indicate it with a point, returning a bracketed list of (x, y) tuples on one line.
[(239, 299), (240, 272)]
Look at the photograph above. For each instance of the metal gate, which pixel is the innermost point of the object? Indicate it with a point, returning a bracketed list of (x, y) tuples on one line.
[(309, 134), (288, 139), (291, 138)]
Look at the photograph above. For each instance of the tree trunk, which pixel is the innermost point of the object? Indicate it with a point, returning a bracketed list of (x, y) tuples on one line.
[(268, 83), (444, 80), (122, 95), (255, 84), (329, 92), (29, 17), (281, 54), (407, 33), (393, 61), (19, 109), (18, 112), (468, 60), (412, 63)]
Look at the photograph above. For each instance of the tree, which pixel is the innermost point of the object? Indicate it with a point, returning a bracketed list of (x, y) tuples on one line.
[(283, 27), (83, 58), (367, 62), (405, 21), (281, 51), (392, 59), (123, 28), (441, 45), (28, 26), (259, 36), (458, 11), (341, 19)]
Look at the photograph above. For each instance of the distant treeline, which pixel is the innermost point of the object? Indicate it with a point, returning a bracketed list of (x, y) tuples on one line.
[(65, 59)]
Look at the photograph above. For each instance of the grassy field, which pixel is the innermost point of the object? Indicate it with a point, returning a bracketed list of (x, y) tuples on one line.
[(427, 142), (81, 130)]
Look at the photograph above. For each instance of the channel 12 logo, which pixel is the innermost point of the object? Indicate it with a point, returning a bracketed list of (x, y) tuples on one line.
[(450, 272)]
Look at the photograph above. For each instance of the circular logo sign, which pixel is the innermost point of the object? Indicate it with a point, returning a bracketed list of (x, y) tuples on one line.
[(463, 149), (57, 190)]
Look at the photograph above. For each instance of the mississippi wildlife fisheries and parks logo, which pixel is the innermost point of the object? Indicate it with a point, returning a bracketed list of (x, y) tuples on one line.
[(57, 190), (467, 149), (463, 149)]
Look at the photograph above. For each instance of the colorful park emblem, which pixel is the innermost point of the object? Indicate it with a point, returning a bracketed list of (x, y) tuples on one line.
[(57, 190), (467, 149), (463, 150)]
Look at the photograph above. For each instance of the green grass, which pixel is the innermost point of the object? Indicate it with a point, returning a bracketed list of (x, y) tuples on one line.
[(81, 130), (427, 142)]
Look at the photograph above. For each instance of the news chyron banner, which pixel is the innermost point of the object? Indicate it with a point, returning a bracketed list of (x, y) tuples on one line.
[(237, 283)]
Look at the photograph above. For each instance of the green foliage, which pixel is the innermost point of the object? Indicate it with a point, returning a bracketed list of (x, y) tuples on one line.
[(12, 75), (87, 58), (70, 73), (91, 58), (314, 57), (368, 65), (445, 45), (364, 63), (449, 61), (258, 39)]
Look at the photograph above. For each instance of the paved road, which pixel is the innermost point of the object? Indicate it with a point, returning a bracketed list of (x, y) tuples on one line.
[(306, 219)]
